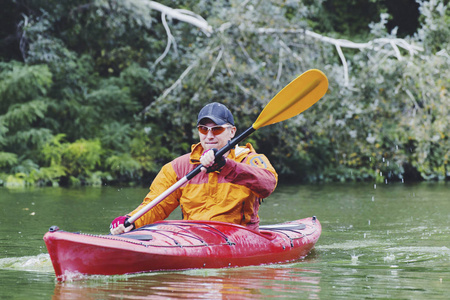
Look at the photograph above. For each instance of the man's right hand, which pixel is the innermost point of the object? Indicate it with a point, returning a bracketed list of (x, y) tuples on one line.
[(117, 226), (208, 160)]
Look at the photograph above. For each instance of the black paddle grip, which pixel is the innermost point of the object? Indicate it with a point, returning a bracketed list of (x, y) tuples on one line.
[(223, 150)]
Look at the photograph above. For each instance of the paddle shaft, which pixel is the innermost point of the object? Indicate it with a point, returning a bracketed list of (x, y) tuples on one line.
[(230, 145)]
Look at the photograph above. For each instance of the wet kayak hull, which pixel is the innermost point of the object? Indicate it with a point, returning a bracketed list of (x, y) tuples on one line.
[(180, 245)]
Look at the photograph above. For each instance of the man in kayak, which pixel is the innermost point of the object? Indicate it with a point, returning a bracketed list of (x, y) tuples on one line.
[(229, 190)]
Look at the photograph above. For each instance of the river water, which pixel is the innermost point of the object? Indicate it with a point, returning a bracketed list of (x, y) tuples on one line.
[(386, 241)]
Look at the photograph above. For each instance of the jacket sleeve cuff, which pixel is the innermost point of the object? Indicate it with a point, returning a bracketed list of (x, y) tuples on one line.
[(229, 167)]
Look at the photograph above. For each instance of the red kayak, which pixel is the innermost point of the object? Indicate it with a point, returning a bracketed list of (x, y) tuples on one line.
[(179, 245)]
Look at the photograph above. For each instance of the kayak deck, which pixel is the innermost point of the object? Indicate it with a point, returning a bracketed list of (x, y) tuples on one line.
[(179, 245)]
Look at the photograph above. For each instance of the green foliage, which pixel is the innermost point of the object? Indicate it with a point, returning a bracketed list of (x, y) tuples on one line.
[(357, 132), (20, 83), (79, 159), (123, 165), (7, 159), (435, 32), (24, 105), (94, 101), (395, 119), (20, 115), (348, 17)]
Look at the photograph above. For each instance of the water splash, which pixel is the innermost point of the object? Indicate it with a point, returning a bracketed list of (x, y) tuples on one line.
[(38, 263), (355, 259), (389, 258)]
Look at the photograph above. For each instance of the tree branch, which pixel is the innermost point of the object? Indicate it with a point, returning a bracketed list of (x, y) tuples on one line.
[(196, 20), (180, 14), (377, 44), (170, 39)]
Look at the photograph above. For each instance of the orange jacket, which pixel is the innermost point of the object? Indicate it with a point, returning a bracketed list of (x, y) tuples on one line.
[(232, 195)]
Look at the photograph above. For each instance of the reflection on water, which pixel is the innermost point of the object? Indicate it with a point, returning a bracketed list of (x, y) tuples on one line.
[(388, 242), (283, 280), (240, 283)]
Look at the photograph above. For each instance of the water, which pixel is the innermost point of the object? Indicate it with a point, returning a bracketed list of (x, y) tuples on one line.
[(390, 241)]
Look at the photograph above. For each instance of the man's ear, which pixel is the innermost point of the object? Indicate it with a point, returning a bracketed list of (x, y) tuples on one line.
[(233, 131)]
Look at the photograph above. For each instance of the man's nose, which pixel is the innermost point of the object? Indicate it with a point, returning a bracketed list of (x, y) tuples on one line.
[(209, 134)]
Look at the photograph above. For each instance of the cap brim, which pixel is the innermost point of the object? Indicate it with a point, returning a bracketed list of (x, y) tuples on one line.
[(216, 120)]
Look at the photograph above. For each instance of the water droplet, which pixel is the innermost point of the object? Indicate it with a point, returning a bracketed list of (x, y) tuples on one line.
[(389, 258)]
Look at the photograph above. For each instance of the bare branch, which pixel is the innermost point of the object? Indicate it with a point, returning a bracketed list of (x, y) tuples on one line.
[(23, 38), (180, 14), (250, 60), (173, 86), (344, 63), (280, 66), (377, 44), (216, 61), (170, 39), (196, 20), (295, 55)]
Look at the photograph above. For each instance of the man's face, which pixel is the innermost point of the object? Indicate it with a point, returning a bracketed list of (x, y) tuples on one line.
[(210, 141)]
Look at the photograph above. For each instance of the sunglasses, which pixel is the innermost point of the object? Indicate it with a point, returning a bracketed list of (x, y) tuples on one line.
[(216, 130)]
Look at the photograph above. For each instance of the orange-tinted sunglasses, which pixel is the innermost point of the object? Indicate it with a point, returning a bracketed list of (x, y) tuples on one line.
[(216, 130)]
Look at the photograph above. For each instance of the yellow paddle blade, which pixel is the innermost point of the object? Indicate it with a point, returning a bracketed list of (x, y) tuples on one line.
[(293, 99)]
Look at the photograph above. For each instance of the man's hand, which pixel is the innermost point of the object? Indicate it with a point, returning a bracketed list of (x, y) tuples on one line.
[(117, 226), (209, 163)]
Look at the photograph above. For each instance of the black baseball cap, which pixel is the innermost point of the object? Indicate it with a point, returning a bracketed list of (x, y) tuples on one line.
[(217, 112)]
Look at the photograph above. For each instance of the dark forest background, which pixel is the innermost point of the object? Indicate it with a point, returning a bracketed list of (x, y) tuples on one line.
[(106, 92)]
